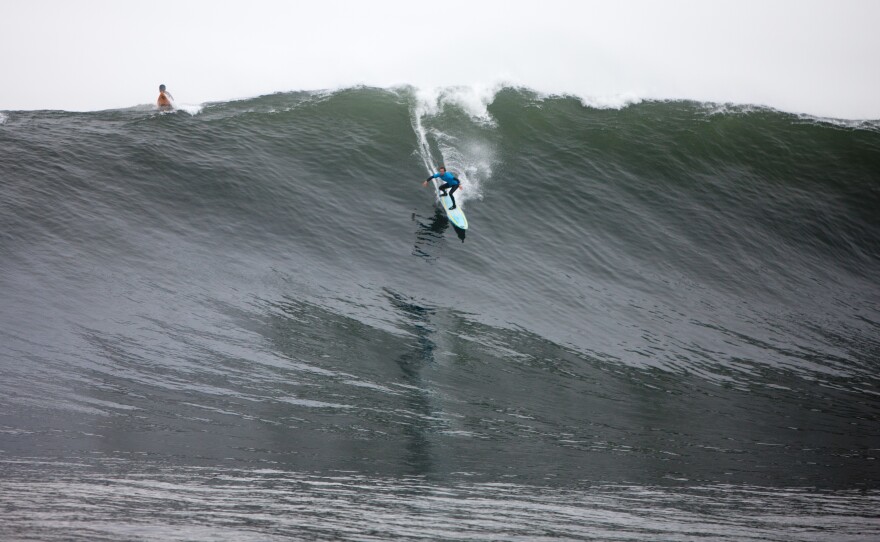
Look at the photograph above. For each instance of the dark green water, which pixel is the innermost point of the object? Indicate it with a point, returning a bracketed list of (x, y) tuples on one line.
[(253, 323)]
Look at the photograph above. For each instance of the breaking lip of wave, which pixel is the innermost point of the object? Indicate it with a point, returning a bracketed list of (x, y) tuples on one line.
[(191, 109), (475, 101)]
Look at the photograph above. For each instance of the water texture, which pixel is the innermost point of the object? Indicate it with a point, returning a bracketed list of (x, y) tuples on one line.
[(249, 321)]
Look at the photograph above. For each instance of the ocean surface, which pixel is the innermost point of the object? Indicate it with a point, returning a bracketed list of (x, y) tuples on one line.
[(250, 321)]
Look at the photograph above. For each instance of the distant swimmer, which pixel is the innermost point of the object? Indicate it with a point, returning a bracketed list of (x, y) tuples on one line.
[(165, 97), (451, 182)]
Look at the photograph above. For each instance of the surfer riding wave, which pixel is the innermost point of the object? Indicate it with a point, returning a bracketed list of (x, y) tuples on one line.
[(450, 182)]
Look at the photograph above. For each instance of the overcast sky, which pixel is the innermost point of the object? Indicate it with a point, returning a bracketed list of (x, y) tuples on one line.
[(812, 56)]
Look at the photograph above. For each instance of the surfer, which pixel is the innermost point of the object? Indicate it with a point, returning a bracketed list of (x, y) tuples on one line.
[(165, 97), (450, 182)]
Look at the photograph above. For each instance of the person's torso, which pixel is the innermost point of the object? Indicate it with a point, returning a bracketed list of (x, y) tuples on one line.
[(449, 178), (163, 100)]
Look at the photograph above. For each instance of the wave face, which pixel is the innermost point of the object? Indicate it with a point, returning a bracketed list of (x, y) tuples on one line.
[(673, 304)]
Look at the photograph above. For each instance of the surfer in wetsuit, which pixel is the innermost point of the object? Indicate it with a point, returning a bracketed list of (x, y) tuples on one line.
[(450, 182), (165, 97)]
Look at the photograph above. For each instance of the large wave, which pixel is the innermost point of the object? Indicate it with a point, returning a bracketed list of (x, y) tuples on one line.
[(259, 304)]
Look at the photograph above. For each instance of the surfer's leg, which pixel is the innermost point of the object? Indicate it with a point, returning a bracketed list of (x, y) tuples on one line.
[(442, 188), (452, 191)]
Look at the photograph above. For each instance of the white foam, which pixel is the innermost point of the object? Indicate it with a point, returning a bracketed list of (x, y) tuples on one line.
[(3, 118), (872, 125), (469, 158), (192, 109), (746, 109), (613, 101), (713, 109), (473, 100)]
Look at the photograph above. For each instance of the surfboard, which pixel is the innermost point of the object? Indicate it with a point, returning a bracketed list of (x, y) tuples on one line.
[(456, 216)]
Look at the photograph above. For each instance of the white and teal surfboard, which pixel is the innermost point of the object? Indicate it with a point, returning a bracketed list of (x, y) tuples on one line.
[(456, 216)]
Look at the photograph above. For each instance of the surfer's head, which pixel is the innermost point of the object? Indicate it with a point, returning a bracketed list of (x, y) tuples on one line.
[(161, 88), (442, 169)]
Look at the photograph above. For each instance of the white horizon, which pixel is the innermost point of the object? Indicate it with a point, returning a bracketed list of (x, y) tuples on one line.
[(815, 57)]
